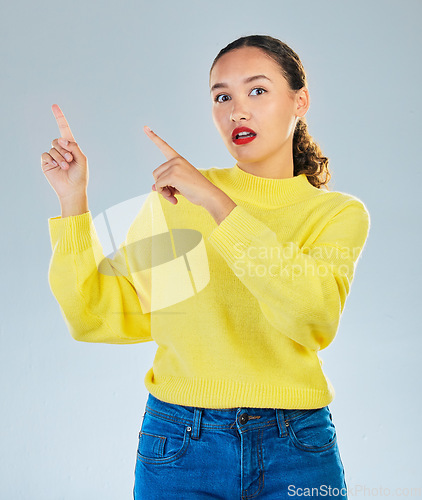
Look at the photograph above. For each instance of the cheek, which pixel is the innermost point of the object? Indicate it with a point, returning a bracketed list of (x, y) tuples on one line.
[(278, 120), (276, 114), (218, 119)]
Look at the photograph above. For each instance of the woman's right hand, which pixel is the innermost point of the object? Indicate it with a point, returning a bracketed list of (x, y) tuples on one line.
[(69, 180)]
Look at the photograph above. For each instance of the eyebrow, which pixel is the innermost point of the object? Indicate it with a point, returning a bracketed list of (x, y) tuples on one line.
[(247, 80)]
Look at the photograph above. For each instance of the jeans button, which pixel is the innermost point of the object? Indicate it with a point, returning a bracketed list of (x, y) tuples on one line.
[(243, 418)]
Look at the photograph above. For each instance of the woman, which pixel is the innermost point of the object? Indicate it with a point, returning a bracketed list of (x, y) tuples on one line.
[(238, 400)]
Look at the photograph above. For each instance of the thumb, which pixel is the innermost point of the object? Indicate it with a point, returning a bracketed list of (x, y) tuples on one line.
[(73, 148)]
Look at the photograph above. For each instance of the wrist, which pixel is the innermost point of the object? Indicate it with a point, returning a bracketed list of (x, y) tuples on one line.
[(75, 204), (219, 205)]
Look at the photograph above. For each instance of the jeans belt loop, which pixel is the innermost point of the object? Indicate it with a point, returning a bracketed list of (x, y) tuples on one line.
[(281, 422), (196, 425)]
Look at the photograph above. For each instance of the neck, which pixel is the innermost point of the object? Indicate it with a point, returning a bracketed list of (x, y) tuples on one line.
[(265, 192), (278, 166)]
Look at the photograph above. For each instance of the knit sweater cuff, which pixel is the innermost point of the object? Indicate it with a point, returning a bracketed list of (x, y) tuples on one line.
[(71, 234), (235, 232)]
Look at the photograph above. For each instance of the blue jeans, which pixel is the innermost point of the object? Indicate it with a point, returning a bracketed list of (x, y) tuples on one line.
[(185, 453)]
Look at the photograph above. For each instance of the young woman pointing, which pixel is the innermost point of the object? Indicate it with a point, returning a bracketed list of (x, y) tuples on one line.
[(238, 400)]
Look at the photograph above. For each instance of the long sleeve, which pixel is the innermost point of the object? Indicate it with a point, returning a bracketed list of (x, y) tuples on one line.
[(96, 295), (301, 290)]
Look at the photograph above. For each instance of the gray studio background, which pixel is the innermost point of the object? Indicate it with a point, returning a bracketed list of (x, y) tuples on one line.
[(70, 411)]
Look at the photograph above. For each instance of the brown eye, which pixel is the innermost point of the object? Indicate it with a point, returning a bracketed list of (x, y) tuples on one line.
[(258, 89), (222, 98)]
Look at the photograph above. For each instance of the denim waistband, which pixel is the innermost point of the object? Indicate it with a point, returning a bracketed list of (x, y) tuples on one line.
[(245, 418)]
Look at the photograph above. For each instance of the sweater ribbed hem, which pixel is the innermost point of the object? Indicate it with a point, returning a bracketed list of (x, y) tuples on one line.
[(73, 233), (232, 394)]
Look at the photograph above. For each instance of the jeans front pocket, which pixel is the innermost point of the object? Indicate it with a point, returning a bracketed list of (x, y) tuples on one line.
[(162, 441), (313, 430)]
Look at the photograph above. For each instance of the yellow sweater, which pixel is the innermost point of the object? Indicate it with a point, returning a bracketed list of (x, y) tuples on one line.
[(239, 310)]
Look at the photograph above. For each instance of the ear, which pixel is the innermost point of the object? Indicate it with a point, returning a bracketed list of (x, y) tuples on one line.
[(302, 102)]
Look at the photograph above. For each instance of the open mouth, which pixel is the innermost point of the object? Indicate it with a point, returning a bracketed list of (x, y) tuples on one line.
[(243, 135)]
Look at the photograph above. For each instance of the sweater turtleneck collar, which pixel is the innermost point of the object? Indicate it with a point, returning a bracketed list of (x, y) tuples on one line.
[(268, 192)]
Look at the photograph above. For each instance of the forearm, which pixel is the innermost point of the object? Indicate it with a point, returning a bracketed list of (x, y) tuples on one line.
[(219, 205), (74, 205)]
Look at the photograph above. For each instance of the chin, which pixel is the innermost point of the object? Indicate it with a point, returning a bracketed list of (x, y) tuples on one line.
[(240, 154), (246, 158), (245, 153)]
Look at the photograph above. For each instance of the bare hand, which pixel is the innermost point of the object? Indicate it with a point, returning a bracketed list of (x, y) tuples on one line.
[(178, 176), (65, 166)]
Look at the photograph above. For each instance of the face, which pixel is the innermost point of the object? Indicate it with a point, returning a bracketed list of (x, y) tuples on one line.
[(249, 92)]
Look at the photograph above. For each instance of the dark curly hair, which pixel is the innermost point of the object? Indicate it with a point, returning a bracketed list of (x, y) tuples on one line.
[(307, 156)]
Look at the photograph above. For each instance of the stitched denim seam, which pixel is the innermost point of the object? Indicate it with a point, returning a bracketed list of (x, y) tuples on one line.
[(261, 469), (166, 416), (314, 449), (273, 423), (162, 440), (165, 460), (299, 416)]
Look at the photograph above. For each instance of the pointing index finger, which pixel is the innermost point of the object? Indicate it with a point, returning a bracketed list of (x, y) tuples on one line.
[(64, 128), (167, 150)]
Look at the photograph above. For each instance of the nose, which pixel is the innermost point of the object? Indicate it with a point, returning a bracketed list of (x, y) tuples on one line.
[(239, 112)]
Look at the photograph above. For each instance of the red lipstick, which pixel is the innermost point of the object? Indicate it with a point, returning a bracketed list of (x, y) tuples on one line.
[(243, 135)]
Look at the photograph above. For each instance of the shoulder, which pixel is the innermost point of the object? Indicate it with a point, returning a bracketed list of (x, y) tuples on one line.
[(340, 200), (338, 209)]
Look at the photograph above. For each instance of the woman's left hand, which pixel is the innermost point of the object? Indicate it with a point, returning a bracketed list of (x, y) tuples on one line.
[(178, 176)]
